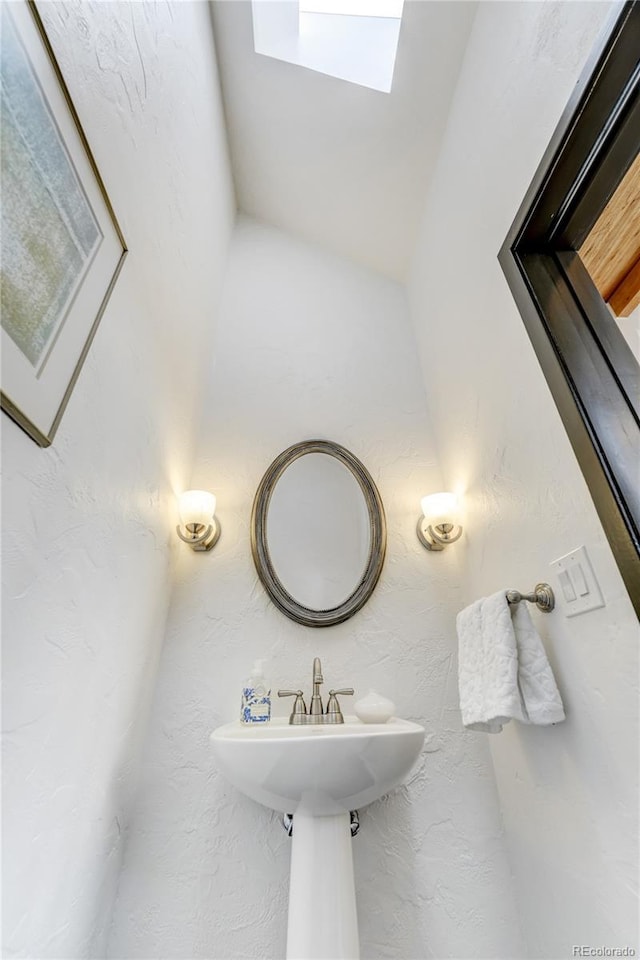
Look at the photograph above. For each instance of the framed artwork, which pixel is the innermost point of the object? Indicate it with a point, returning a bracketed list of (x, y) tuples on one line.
[(62, 248)]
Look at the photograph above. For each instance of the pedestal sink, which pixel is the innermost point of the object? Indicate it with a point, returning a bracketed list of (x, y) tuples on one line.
[(319, 773)]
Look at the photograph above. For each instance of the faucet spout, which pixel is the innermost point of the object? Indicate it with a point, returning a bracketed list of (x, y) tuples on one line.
[(315, 708)]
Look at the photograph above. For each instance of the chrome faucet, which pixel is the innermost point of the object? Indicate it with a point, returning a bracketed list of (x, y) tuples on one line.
[(333, 713)]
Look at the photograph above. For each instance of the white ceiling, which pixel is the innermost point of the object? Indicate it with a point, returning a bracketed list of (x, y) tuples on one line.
[(333, 162)]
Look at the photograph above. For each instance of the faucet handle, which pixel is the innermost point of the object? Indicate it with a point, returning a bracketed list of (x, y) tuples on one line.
[(299, 706), (334, 713)]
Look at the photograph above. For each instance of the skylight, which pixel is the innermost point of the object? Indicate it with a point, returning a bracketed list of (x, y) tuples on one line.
[(354, 8), (354, 40)]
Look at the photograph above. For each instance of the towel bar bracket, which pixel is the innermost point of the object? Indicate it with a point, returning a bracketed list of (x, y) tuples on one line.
[(542, 596)]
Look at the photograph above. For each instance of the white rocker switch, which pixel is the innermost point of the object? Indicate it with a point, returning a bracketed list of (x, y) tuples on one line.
[(579, 579), (580, 589), (567, 587)]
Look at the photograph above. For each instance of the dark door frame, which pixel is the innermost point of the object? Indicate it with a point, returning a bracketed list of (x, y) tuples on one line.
[(590, 369)]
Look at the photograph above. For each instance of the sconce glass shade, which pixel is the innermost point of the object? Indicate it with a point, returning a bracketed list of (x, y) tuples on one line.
[(199, 528), (440, 523), (196, 506), (440, 508)]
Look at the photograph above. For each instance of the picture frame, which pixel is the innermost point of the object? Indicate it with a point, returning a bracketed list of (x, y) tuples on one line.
[(589, 367), (62, 247)]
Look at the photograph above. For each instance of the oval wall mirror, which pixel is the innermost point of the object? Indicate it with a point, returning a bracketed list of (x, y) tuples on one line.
[(318, 533)]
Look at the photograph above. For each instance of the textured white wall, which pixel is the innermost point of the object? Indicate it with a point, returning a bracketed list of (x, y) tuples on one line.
[(87, 522), (332, 162), (568, 794), (311, 346)]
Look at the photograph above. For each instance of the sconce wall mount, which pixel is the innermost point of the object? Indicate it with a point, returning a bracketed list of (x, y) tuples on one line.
[(438, 526)]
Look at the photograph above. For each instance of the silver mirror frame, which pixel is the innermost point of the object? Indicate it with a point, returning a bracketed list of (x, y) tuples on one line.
[(259, 548)]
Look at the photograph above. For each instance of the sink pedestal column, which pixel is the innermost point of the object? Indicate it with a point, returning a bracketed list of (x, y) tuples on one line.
[(323, 924)]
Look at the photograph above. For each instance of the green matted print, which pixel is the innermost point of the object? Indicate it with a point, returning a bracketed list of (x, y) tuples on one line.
[(60, 243)]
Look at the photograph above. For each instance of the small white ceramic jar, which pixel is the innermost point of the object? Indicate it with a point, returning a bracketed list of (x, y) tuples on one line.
[(374, 708)]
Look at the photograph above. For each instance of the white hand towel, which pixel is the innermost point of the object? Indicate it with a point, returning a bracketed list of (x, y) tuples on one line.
[(503, 671)]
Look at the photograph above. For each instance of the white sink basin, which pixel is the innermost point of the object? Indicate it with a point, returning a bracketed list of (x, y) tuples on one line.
[(320, 770), (319, 773)]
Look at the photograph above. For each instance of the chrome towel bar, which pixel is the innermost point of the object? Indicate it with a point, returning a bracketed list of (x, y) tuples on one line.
[(542, 596)]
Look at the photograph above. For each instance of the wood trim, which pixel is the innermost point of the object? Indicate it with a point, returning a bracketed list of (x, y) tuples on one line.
[(591, 372), (626, 296), (611, 251), (613, 346)]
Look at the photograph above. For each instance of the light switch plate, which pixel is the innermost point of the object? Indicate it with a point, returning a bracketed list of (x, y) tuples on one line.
[(578, 590)]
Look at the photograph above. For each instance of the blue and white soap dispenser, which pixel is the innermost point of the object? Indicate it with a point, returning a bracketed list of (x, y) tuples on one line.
[(256, 697)]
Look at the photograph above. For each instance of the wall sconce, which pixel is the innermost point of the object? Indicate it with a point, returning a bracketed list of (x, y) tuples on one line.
[(199, 527), (439, 524)]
